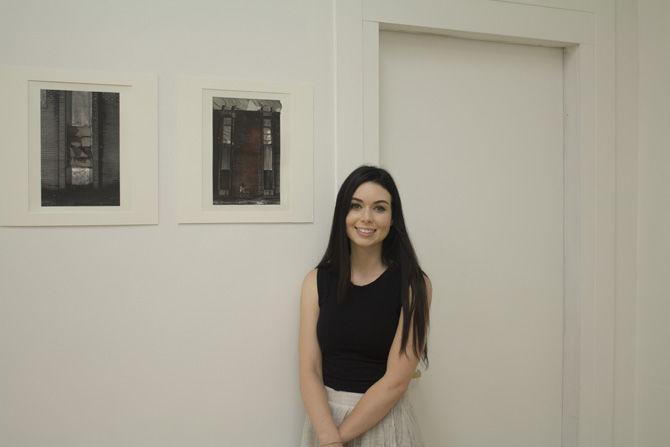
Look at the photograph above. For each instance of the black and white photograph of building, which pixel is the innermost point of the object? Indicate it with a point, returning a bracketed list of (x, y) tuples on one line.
[(79, 148), (246, 151)]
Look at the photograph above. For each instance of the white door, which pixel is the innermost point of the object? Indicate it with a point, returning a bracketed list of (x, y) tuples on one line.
[(473, 133)]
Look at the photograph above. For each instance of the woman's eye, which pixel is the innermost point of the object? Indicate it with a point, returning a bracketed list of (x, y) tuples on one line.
[(381, 209), (355, 205)]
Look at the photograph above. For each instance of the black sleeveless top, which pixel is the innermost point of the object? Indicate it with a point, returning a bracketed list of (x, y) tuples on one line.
[(355, 336)]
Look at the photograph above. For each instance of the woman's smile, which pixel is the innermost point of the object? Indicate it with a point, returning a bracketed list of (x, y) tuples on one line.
[(365, 232)]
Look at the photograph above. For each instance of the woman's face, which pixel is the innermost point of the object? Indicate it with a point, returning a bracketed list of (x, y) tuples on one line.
[(369, 219)]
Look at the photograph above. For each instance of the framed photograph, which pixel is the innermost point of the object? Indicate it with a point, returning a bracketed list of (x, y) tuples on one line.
[(79, 148), (245, 151)]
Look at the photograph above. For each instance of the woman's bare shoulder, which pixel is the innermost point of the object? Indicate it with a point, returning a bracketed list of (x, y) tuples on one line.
[(311, 275), (309, 283)]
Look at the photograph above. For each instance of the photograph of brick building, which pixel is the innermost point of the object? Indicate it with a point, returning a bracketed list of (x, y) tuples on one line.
[(79, 148), (246, 151)]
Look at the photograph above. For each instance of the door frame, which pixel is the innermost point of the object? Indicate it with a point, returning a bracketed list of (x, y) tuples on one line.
[(589, 155)]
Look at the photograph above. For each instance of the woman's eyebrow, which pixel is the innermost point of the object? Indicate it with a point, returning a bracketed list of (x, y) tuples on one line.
[(378, 201)]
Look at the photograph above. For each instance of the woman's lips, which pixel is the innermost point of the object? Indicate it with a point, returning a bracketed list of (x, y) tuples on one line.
[(365, 232)]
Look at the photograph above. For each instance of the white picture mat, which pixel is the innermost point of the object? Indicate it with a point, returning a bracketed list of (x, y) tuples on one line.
[(194, 158), (20, 158)]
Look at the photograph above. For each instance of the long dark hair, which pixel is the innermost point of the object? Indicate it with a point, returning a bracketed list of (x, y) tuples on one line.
[(397, 253)]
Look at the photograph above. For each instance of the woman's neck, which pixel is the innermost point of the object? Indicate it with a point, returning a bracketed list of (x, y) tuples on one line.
[(366, 260)]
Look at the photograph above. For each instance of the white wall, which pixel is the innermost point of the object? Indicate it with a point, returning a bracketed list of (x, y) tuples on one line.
[(653, 308), (162, 335)]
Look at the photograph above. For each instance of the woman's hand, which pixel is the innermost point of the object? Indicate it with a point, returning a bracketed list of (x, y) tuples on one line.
[(332, 444)]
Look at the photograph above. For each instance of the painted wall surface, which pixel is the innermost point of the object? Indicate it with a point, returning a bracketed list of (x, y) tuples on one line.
[(653, 309), (167, 335)]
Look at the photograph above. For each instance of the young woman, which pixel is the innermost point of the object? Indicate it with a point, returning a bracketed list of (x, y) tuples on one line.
[(363, 322)]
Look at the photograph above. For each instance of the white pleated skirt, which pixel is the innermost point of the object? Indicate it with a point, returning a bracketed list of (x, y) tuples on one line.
[(399, 427)]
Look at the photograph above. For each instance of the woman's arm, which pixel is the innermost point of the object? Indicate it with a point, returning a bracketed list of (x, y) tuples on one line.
[(311, 377), (380, 398)]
